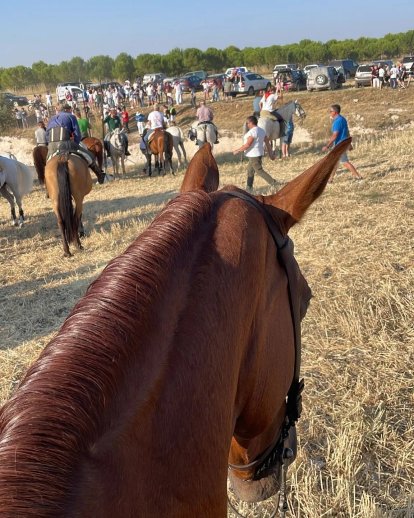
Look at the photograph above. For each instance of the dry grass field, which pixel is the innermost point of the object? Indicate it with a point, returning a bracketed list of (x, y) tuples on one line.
[(355, 247)]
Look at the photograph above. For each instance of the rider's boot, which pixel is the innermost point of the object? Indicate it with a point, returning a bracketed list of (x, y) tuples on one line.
[(100, 174)]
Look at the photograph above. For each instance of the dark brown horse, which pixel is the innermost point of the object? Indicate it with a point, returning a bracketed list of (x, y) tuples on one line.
[(177, 360), (39, 159), (161, 146), (96, 147), (67, 177)]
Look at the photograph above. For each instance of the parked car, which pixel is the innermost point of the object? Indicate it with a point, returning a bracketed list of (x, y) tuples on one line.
[(363, 76), (349, 66), (14, 100), (155, 77), (407, 61), (250, 83), (218, 78), (276, 68), (202, 74), (236, 70), (383, 63), (324, 78), (188, 82), (77, 93), (291, 79), (309, 67)]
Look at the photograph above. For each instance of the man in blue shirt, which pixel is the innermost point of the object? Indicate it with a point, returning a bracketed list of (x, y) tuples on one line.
[(63, 134), (340, 132)]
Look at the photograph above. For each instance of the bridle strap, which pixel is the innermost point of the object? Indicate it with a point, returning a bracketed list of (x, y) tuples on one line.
[(284, 246)]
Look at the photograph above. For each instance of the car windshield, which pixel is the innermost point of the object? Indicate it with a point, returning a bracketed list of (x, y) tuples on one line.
[(408, 59), (364, 68)]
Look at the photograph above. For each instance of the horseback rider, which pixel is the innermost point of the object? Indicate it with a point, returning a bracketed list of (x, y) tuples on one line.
[(113, 121), (267, 104), (156, 120), (63, 135), (205, 115)]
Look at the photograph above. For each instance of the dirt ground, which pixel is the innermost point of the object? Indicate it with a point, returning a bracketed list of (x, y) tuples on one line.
[(356, 249)]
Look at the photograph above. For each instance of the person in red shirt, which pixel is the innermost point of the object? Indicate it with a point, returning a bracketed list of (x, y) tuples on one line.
[(125, 119)]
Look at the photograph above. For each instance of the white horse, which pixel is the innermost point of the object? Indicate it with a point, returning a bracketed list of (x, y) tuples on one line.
[(178, 142), (117, 149), (285, 112), (203, 132), (16, 180)]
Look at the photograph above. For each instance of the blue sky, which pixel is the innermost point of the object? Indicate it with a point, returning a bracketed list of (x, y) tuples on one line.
[(89, 27)]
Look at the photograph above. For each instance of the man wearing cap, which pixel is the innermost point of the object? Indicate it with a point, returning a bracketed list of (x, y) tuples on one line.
[(113, 121), (63, 134)]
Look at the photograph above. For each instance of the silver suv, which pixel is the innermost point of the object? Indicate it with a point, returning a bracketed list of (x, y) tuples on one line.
[(363, 76), (324, 78)]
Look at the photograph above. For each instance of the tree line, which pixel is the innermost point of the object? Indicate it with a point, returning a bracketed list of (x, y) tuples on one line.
[(178, 61)]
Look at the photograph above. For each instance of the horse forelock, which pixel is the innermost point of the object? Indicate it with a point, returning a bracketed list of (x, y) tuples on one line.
[(64, 402)]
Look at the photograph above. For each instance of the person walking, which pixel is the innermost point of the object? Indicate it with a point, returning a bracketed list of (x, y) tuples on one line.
[(253, 147), (340, 132)]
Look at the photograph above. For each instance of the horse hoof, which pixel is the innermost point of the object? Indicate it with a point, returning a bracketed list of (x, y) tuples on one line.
[(80, 247), (67, 254), (82, 234), (15, 223)]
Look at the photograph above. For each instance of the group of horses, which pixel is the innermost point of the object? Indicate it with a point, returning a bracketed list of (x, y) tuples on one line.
[(67, 177), (178, 368)]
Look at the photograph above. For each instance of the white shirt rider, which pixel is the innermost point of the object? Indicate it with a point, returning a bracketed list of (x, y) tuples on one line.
[(156, 119), (268, 103)]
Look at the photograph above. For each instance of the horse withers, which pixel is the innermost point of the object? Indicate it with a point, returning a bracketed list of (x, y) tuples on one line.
[(16, 180), (179, 360)]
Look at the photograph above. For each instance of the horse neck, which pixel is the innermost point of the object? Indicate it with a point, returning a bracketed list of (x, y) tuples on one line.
[(287, 110)]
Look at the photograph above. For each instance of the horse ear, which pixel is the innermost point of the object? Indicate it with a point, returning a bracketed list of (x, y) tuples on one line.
[(297, 196), (202, 172)]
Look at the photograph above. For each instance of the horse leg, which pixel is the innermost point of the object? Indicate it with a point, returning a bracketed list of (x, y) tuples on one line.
[(181, 144), (81, 227), (123, 163), (10, 198), (149, 160)]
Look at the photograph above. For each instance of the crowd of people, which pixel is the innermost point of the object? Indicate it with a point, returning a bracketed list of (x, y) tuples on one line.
[(394, 76)]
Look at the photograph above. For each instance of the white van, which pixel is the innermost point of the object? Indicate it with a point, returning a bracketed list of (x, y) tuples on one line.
[(242, 70), (156, 77), (77, 93)]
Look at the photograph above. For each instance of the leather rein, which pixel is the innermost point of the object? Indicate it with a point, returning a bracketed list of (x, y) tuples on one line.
[(264, 464)]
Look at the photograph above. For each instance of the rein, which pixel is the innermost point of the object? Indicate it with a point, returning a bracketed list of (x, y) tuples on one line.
[(265, 463)]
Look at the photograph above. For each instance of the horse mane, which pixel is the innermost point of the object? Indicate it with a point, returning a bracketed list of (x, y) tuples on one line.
[(64, 402)]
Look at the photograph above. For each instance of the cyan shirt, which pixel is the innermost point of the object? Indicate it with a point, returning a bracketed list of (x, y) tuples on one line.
[(341, 126)]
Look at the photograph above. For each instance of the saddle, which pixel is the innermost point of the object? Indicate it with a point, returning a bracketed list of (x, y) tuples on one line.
[(69, 147)]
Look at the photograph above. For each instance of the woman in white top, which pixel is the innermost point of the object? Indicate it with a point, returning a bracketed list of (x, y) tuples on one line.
[(267, 104)]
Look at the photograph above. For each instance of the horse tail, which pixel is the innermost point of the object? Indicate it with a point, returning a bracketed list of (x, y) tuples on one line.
[(64, 202), (39, 160)]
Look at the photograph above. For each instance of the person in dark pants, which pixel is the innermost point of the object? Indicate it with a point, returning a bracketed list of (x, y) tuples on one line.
[(253, 146)]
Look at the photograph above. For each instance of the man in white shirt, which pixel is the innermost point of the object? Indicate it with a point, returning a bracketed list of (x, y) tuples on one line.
[(155, 121), (253, 147), (393, 76), (178, 93)]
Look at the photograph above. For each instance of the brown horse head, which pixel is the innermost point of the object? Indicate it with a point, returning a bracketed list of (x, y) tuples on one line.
[(177, 361), (202, 172)]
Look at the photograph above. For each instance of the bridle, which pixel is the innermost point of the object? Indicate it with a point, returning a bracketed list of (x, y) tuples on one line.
[(277, 453)]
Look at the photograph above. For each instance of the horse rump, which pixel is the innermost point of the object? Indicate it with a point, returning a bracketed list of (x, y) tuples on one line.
[(64, 202)]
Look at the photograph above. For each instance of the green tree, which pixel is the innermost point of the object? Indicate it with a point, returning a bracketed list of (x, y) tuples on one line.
[(124, 67), (100, 68)]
